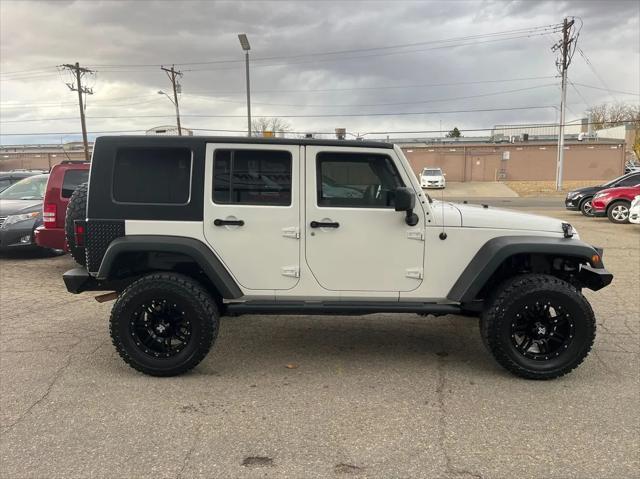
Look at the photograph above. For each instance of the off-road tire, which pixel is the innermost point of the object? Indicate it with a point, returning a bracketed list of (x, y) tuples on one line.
[(512, 296), (201, 311), (585, 207), (612, 208), (76, 210)]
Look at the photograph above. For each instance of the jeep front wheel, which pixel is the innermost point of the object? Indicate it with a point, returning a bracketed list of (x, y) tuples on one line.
[(164, 324), (538, 326)]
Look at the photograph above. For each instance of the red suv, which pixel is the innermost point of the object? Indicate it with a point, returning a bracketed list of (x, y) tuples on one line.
[(63, 180), (615, 203)]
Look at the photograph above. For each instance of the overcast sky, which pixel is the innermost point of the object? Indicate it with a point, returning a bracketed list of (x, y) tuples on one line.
[(399, 57)]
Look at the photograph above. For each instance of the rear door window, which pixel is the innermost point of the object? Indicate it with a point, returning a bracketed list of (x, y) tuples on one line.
[(252, 177), (73, 179)]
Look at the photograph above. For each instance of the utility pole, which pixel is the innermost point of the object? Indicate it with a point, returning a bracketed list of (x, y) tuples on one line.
[(79, 72), (566, 46), (173, 75)]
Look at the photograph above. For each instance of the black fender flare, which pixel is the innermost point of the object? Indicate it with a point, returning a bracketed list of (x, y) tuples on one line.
[(191, 247), (495, 251)]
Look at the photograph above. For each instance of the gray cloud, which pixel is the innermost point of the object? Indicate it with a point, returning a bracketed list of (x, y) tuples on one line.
[(39, 35)]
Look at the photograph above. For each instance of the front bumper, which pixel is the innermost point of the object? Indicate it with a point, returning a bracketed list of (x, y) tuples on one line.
[(53, 238), (594, 278), (572, 204), (18, 235)]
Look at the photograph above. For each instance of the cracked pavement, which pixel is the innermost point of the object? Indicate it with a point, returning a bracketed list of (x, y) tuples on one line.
[(373, 396)]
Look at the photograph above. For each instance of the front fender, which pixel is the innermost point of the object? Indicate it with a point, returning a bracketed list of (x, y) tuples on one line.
[(495, 251)]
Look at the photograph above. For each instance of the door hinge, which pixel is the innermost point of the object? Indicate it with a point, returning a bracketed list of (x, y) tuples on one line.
[(416, 235), (291, 232), (414, 273), (292, 271)]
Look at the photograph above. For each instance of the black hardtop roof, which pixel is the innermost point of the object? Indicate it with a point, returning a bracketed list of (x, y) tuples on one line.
[(190, 140)]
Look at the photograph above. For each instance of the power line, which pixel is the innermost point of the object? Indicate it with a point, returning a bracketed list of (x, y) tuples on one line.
[(340, 115), (213, 92), (592, 68), (609, 90), (462, 130), (419, 85), (433, 100), (542, 28)]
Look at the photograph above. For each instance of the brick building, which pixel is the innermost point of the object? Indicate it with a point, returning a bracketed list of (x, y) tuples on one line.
[(525, 160)]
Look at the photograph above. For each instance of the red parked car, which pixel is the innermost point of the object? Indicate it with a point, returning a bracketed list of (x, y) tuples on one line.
[(615, 203), (63, 180)]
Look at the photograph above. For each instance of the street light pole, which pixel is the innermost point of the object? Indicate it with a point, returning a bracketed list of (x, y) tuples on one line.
[(244, 43)]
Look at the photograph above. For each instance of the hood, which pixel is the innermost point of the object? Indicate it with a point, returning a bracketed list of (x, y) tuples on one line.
[(477, 216), (15, 207), (435, 177), (589, 189), (621, 190)]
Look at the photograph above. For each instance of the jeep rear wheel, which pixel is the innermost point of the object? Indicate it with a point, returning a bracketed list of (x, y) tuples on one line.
[(618, 212), (538, 326), (164, 324), (76, 210)]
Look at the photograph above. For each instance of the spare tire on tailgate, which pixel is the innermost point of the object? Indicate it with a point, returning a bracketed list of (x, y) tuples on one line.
[(76, 210)]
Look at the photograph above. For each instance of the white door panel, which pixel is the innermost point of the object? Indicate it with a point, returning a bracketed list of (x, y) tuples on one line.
[(361, 248), (263, 253)]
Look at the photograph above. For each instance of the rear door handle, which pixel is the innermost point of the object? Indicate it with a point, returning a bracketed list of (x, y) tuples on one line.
[(320, 224), (219, 222)]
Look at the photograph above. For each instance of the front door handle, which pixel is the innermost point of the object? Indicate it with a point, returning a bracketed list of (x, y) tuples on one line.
[(320, 224), (219, 222)]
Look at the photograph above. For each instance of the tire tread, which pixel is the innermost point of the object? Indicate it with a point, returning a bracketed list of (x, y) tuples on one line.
[(491, 321), (178, 283)]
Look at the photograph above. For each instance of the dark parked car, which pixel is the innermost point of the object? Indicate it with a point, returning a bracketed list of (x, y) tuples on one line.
[(8, 178), (21, 212), (580, 199)]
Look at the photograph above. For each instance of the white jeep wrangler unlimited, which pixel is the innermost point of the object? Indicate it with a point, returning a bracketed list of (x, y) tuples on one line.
[(187, 229)]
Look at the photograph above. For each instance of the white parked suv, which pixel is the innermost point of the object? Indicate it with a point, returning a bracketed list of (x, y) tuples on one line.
[(432, 178), (634, 211), (183, 230)]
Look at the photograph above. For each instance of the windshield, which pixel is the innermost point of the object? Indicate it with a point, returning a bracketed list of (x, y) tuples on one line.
[(614, 181), (31, 188), (432, 171)]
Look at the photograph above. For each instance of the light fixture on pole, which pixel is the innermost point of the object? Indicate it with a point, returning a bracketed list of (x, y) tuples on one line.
[(244, 43)]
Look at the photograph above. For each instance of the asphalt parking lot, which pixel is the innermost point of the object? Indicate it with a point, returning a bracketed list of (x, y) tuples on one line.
[(301, 397)]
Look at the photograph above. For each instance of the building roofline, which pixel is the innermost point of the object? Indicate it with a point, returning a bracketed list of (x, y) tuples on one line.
[(251, 140)]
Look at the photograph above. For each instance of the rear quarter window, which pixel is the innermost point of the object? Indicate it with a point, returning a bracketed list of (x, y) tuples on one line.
[(72, 179), (152, 176)]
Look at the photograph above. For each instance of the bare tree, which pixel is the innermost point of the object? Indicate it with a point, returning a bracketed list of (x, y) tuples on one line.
[(609, 115), (273, 125)]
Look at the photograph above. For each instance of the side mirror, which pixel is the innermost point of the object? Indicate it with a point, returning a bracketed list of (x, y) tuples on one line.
[(405, 200)]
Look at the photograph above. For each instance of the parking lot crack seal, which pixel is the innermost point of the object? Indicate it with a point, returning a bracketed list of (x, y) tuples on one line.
[(187, 455), (58, 374), (450, 469)]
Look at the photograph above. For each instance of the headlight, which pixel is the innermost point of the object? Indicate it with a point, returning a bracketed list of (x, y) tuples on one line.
[(572, 194), (599, 195), (12, 219)]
